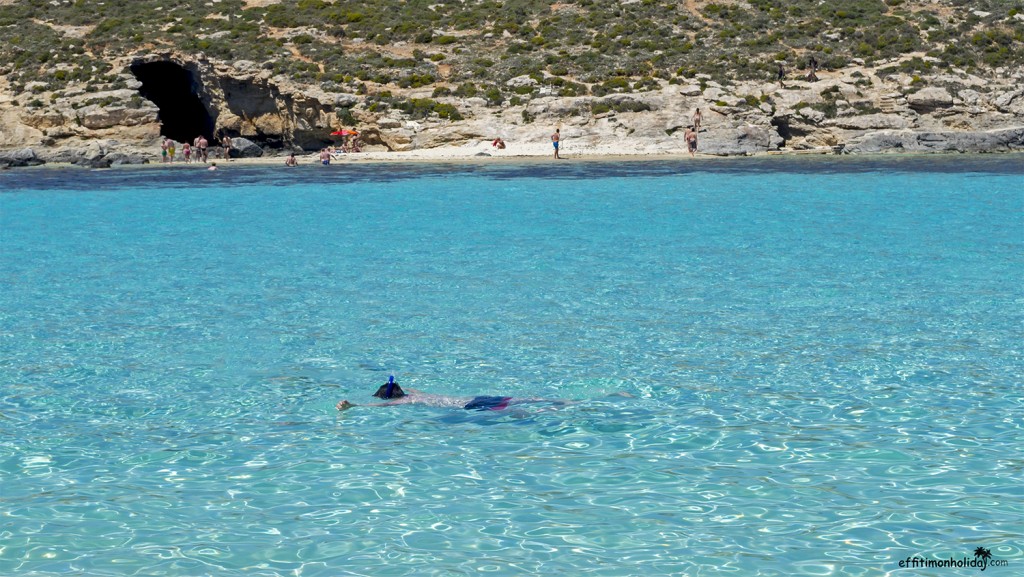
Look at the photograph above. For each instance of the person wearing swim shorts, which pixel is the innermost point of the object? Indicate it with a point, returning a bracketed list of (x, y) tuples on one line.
[(555, 139), (203, 145), (392, 395)]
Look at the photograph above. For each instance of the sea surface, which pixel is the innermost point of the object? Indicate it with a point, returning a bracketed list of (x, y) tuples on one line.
[(779, 366)]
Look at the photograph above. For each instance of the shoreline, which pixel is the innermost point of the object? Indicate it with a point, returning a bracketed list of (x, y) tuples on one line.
[(529, 154)]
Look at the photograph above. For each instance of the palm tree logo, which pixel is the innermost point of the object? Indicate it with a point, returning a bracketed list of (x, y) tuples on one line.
[(983, 553)]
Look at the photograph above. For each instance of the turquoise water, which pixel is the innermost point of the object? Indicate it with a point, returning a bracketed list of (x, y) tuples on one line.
[(821, 360)]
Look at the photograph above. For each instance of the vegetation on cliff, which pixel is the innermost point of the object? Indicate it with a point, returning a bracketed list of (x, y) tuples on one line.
[(476, 47)]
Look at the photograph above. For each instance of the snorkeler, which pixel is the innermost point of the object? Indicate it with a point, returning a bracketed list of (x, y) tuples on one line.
[(395, 395)]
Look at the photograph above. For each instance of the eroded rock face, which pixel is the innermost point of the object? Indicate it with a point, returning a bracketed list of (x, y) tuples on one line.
[(181, 96), (20, 157), (1007, 140), (930, 99)]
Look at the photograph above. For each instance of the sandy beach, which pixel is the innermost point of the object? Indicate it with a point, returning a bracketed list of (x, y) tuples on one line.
[(479, 152)]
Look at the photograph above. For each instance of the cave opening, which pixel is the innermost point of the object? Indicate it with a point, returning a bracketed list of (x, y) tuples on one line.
[(174, 91)]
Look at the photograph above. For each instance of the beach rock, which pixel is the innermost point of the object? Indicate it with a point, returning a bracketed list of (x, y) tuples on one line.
[(245, 148), (394, 140), (123, 158), (20, 157), (102, 162), (744, 140), (1006, 140)]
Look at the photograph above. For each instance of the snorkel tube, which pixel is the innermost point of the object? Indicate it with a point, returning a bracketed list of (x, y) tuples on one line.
[(391, 387)]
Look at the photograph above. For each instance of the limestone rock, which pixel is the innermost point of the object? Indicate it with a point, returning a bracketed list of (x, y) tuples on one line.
[(870, 122), (45, 119), (122, 158), (970, 97), (929, 99), (245, 148), (690, 90), (811, 115), (1011, 101), (744, 140), (20, 157), (956, 112), (96, 117), (397, 140), (898, 141), (346, 100)]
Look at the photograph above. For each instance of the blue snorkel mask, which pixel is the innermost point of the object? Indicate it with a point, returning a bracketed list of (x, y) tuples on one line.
[(390, 390)]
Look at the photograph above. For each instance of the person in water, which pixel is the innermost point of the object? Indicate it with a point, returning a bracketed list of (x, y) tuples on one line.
[(394, 395)]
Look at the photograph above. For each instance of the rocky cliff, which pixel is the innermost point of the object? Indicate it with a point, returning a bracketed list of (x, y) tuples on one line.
[(858, 109)]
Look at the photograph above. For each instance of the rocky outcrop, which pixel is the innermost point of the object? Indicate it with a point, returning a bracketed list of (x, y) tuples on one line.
[(930, 99), (245, 148), (855, 110), (21, 157), (1007, 140)]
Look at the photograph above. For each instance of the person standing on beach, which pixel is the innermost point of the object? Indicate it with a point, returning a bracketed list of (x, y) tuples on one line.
[(697, 117), (555, 139), (186, 151), (163, 150), (225, 144), (202, 144), (691, 140), (171, 145)]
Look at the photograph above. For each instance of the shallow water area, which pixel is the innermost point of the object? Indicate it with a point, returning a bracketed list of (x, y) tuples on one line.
[(798, 366)]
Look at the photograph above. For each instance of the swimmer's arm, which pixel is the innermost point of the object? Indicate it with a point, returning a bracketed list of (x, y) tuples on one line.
[(345, 405)]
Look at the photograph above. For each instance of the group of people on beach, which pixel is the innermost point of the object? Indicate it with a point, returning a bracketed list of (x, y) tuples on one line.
[(197, 150), (332, 152), (199, 147)]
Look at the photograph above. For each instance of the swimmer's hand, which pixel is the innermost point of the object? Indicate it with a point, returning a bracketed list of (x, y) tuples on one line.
[(343, 405)]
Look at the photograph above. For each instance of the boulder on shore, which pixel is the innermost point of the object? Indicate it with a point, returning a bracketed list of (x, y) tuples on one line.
[(20, 157)]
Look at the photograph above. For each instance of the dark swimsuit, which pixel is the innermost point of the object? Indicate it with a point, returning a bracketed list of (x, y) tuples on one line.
[(488, 403)]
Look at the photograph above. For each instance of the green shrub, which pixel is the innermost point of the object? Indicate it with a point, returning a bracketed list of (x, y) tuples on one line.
[(466, 90), (493, 96)]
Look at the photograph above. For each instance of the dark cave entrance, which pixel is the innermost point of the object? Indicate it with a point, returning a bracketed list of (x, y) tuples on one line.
[(174, 90)]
